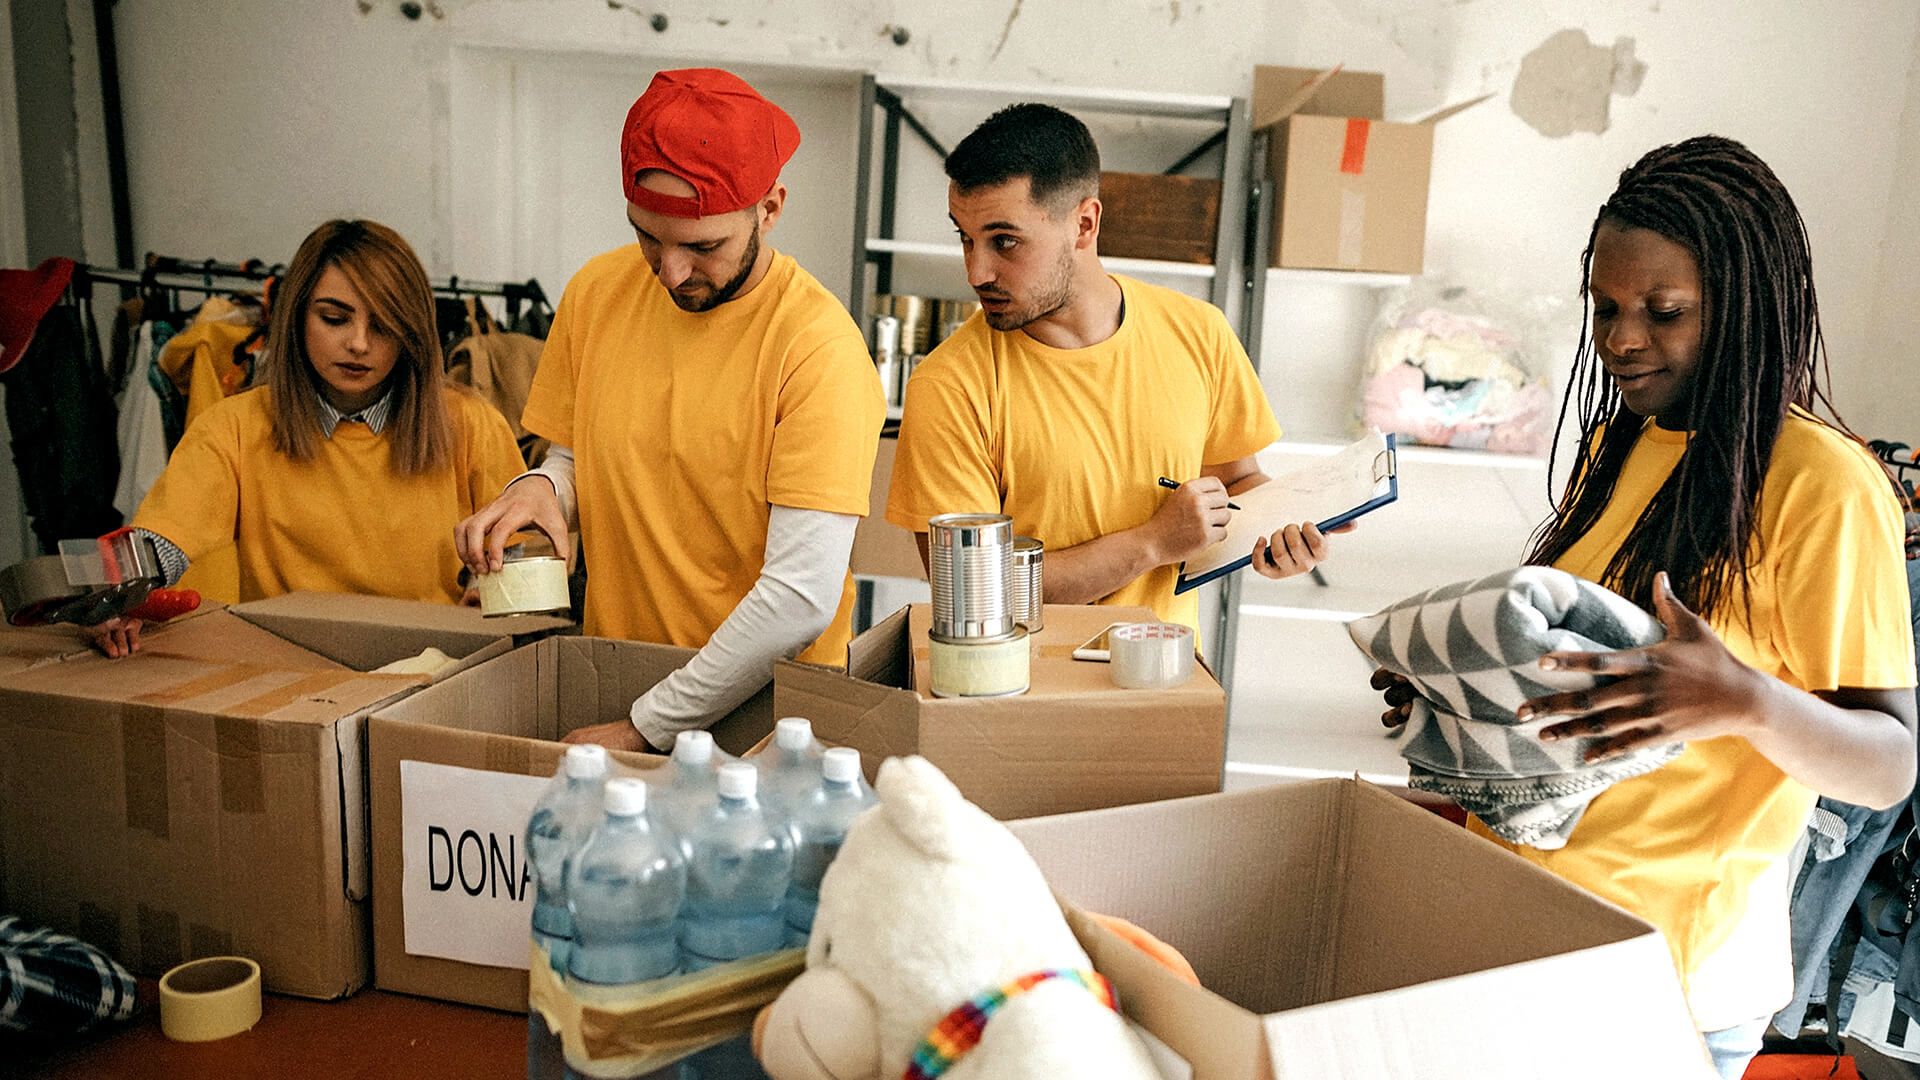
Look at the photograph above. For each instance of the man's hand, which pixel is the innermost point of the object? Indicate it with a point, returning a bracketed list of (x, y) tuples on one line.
[(481, 540), (117, 637), (619, 735), (1192, 518)]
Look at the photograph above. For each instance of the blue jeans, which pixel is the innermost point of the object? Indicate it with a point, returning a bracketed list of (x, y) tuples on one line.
[(1733, 1047)]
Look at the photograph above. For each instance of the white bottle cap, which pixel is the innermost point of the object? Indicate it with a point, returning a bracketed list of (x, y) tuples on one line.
[(625, 797), (693, 747), (738, 780), (586, 761), (794, 734), (841, 765)]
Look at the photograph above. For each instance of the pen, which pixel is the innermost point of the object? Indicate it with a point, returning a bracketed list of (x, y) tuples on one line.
[(1166, 483)]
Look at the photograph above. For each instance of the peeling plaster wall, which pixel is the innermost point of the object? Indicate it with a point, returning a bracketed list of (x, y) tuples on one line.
[(247, 122)]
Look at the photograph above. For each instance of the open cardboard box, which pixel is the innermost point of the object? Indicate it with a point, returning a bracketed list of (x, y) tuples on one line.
[(1342, 932), (1352, 186), (470, 755), (1073, 741), (205, 796)]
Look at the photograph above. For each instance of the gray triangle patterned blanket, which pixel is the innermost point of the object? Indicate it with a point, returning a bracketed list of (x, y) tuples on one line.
[(1471, 651)]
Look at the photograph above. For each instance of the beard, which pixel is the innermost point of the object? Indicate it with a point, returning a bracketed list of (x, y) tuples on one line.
[(714, 297), (1055, 294)]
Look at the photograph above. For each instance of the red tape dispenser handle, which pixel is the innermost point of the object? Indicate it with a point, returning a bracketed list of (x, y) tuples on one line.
[(163, 604)]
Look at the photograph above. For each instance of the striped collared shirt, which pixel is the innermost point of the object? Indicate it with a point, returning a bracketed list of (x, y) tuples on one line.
[(374, 416)]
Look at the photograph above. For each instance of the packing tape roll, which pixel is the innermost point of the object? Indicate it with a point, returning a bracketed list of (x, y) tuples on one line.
[(524, 587), (979, 669), (204, 1000), (1151, 656)]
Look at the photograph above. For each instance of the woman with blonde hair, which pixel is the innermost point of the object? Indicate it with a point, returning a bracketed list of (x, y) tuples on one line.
[(348, 468)]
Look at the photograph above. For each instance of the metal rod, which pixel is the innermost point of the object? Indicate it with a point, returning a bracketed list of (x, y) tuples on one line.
[(201, 278), (863, 170), (117, 179), (1197, 152), (889, 189)]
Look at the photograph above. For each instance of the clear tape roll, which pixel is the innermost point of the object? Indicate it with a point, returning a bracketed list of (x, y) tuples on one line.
[(204, 1000), (1151, 656), (524, 586), (979, 668)]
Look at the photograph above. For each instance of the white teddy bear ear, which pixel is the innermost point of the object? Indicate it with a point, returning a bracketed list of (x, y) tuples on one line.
[(924, 806)]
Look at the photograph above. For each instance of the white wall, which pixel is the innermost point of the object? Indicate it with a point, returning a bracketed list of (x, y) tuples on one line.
[(249, 122)]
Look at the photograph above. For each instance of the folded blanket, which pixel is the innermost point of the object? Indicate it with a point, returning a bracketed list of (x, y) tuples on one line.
[(1472, 652)]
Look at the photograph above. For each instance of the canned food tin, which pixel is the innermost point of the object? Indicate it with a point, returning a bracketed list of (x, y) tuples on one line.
[(971, 555), (1029, 606)]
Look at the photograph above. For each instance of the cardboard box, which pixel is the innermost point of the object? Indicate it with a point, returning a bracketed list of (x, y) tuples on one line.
[(206, 795), (1073, 741), (1352, 187), (1342, 932), (25, 647), (469, 756), (1152, 216)]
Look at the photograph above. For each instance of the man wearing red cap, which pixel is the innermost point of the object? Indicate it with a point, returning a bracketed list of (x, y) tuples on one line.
[(714, 417)]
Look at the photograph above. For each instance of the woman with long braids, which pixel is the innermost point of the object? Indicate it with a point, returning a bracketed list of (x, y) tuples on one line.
[(1768, 543)]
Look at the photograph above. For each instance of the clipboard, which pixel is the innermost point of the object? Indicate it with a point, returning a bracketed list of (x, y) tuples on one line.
[(1355, 480)]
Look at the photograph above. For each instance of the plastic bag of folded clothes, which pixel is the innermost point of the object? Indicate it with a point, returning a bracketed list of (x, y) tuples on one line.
[(1451, 366)]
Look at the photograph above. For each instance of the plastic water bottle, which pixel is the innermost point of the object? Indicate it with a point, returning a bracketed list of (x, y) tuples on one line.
[(742, 858), (693, 782), (624, 887), (790, 768), (559, 822), (819, 828)]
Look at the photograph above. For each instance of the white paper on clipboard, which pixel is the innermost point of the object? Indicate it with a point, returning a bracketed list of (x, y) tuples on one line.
[(1330, 492)]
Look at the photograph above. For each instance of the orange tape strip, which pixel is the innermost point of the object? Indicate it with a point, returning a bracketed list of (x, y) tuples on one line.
[(1353, 156)]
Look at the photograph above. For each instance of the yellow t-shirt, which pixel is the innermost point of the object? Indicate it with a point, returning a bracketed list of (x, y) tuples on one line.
[(687, 428), (343, 521), (1681, 846), (1069, 442)]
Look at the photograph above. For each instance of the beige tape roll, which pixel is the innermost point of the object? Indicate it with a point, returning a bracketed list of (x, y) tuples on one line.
[(524, 586), (1151, 656), (979, 669), (209, 999)]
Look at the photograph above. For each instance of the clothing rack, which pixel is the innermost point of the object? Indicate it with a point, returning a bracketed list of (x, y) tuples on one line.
[(171, 272)]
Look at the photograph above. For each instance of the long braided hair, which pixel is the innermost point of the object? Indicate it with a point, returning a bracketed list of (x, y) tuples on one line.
[(1761, 352)]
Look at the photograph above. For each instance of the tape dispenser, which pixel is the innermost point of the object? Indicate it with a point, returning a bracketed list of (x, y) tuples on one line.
[(91, 581)]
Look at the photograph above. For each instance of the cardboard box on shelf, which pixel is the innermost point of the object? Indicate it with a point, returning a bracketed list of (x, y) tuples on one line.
[(1340, 931), (1352, 187), (1151, 216), (881, 548), (1073, 741), (205, 796), (454, 773)]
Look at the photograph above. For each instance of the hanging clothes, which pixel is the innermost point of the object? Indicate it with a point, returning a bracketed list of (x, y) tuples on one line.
[(500, 365), (61, 418), (208, 360), (143, 433)]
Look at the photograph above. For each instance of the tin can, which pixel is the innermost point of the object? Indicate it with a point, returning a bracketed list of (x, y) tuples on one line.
[(1029, 607), (971, 557), (887, 357)]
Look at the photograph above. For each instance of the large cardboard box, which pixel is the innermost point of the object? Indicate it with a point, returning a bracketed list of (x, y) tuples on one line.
[(1073, 741), (1352, 186), (1342, 932), (455, 770), (206, 795)]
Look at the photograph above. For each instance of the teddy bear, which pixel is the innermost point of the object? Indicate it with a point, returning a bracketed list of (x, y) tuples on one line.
[(932, 920)]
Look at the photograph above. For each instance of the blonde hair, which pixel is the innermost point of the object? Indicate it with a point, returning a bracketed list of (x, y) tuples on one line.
[(388, 275)]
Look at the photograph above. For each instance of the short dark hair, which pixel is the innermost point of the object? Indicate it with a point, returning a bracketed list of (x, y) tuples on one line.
[(1049, 147)]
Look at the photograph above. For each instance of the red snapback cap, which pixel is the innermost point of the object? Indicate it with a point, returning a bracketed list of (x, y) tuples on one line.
[(25, 297), (709, 128)]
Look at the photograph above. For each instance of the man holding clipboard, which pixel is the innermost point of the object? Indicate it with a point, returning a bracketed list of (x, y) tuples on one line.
[(1073, 390)]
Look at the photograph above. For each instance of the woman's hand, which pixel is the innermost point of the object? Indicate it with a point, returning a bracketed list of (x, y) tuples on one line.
[(1689, 686), (1399, 694), (117, 637)]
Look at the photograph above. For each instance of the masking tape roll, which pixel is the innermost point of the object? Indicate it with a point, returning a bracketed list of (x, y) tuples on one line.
[(1151, 656), (979, 669), (209, 999), (525, 586)]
